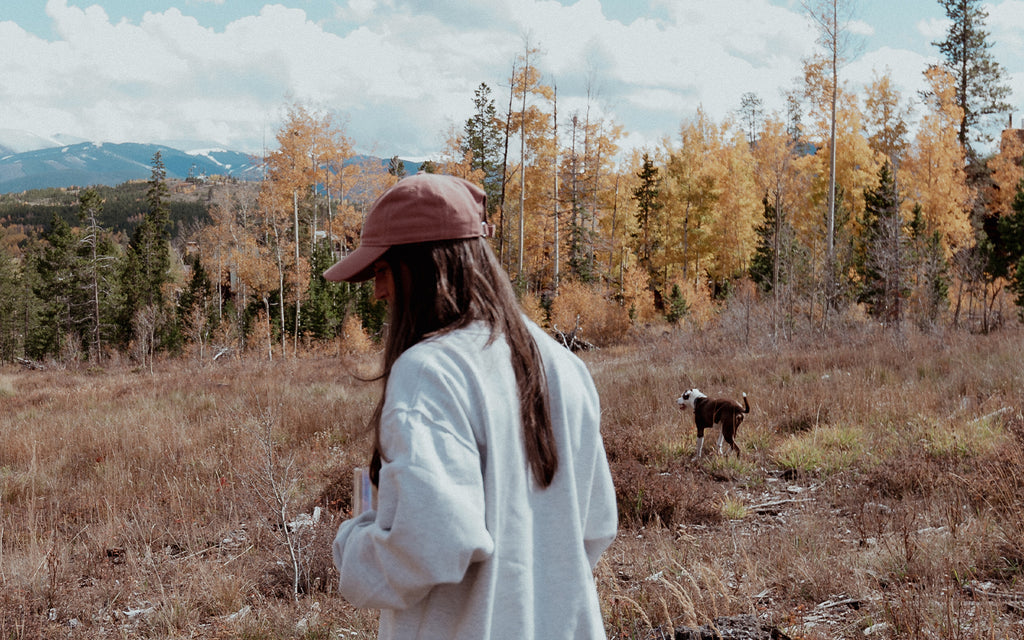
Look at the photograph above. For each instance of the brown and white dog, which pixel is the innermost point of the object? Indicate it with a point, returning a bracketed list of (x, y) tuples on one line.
[(707, 413)]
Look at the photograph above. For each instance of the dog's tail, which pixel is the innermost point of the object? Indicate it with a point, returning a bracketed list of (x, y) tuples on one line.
[(746, 407)]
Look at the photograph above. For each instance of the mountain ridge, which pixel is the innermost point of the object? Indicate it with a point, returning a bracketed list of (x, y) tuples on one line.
[(85, 164), (104, 163)]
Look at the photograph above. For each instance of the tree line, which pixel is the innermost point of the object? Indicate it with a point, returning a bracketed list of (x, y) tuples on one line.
[(832, 205)]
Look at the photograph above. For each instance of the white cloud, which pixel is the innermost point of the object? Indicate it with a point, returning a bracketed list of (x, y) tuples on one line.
[(403, 70), (934, 29), (1006, 23)]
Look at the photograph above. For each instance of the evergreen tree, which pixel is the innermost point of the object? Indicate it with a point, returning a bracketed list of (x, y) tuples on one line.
[(580, 240), (328, 302), (648, 206), (97, 252), (980, 87), (880, 254), (147, 264), (396, 167), (482, 140), (196, 313), (677, 306), (763, 263), (372, 312), (11, 332), (930, 280), (1008, 261), (57, 268)]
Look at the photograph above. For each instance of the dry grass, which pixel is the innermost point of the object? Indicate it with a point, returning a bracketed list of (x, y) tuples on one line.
[(880, 487)]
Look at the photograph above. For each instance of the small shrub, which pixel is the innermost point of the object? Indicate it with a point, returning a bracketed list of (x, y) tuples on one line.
[(354, 338), (602, 321)]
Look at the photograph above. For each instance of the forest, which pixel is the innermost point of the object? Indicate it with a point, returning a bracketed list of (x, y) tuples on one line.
[(903, 208)]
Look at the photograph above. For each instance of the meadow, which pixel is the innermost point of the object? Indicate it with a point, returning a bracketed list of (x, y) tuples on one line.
[(879, 492)]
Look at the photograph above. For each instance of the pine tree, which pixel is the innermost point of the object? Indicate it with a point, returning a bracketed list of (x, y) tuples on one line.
[(648, 206), (881, 259), (930, 281), (1008, 262), (980, 87), (762, 264), (328, 302), (482, 140), (98, 254), (196, 313), (11, 333), (57, 269), (396, 167), (147, 264)]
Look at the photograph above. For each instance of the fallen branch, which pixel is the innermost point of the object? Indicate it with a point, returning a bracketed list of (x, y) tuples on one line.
[(31, 364), (997, 412), (767, 506), (571, 340), (1009, 596)]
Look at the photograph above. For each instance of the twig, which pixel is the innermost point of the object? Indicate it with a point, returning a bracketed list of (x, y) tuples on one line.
[(230, 560), (998, 595), (995, 413), (830, 604)]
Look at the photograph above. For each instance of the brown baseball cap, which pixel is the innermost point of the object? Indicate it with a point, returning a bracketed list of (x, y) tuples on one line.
[(421, 208)]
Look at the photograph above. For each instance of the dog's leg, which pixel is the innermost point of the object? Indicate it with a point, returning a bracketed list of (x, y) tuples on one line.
[(700, 442), (729, 429), (721, 437)]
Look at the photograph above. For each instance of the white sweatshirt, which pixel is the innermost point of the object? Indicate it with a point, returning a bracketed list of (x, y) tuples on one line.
[(464, 543)]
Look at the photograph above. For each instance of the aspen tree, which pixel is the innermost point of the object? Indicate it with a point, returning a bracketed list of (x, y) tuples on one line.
[(886, 121), (934, 174), (832, 18)]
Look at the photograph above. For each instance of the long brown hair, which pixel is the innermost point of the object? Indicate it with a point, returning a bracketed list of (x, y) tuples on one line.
[(443, 286)]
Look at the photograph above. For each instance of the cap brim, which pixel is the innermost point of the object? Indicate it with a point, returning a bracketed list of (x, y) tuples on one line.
[(356, 266)]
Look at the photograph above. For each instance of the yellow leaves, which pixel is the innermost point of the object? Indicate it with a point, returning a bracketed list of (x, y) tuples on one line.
[(933, 172), (1007, 171), (711, 201), (637, 296), (943, 88), (886, 118), (455, 162)]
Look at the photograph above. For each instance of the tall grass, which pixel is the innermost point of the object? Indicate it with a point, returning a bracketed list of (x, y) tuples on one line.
[(877, 468)]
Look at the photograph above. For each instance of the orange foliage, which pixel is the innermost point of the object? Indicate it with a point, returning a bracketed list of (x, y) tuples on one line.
[(637, 296), (1007, 171), (602, 321)]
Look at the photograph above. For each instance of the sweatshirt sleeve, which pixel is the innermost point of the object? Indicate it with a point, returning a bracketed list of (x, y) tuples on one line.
[(602, 518), (429, 525)]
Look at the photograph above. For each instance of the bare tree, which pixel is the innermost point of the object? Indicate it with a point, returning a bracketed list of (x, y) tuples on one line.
[(832, 18)]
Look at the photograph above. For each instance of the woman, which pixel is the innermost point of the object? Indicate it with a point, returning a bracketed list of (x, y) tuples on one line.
[(494, 496)]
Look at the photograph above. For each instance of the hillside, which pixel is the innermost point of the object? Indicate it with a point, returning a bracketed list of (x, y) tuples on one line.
[(29, 162), (91, 163), (122, 204)]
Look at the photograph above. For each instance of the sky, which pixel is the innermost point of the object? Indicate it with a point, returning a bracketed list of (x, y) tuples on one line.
[(399, 74)]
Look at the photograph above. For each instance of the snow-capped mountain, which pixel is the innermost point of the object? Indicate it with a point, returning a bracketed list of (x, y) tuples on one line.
[(90, 163)]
